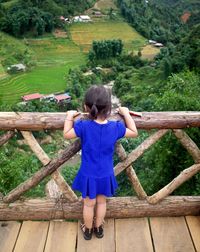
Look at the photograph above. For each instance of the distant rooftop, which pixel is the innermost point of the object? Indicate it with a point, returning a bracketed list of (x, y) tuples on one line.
[(32, 97), (62, 97)]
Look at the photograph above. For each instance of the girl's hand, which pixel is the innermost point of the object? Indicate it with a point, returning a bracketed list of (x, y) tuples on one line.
[(72, 113), (123, 111)]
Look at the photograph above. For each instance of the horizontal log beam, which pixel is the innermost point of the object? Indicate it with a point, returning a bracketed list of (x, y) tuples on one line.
[(117, 207), (149, 120)]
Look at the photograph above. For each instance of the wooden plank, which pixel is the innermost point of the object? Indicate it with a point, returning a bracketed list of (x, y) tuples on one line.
[(133, 235), (171, 234), (105, 244), (8, 234), (61, 237), (194, 226), (32, 236)]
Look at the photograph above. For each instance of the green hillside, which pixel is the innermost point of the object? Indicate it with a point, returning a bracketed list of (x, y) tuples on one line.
[(53, 58), (13, 51)]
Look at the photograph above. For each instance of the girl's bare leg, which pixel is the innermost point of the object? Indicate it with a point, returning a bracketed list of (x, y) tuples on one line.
[(100, 209), (88, 211)]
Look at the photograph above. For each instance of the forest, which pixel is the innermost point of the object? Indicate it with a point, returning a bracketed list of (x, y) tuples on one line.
[(169, 82), (37, 16)]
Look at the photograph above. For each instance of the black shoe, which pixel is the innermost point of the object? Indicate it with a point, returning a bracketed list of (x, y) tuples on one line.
[(87, 232), (99, 231)]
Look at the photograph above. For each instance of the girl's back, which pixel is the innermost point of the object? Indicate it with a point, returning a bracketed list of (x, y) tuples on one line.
[(98, 142)]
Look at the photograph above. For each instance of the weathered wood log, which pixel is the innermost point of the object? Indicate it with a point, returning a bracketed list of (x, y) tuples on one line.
[(4, 138), (66, 190), (35, 147), (117, 207), (189, 144), (52, 190), (43, 172), (131, 173), (175, 183), (149, 120), (139, 151)]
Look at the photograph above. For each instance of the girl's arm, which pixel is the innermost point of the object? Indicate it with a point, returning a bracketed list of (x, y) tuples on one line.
[(68, 131), (131, 130)]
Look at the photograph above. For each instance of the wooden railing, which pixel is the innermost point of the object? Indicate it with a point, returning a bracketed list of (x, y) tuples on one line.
[(62, 203)]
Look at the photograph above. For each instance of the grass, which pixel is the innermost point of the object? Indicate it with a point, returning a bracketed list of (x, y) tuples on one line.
[(2, 71), (8, 43), (83, 34), (149, 52), (105, 5), (9, 4)]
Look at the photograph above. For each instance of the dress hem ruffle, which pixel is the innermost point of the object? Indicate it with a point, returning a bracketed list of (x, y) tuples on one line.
[(92, 186)]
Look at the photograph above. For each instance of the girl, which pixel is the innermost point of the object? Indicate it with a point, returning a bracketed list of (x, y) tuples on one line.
[(95, 178)]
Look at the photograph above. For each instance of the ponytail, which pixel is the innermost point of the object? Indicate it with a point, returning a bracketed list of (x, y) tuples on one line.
[(94, 111)]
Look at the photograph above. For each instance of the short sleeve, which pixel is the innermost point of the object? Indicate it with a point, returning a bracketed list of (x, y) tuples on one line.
[(78, 127), (121, 129)]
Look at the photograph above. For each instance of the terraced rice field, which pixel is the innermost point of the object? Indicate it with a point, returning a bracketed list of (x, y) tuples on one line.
[(83, 34), (54, 58), (2, 72)]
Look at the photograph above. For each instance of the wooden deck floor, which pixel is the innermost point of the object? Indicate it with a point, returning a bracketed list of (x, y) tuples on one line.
[(160, 234)]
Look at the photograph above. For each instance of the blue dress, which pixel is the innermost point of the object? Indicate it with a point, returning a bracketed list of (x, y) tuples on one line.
[(96, 174)]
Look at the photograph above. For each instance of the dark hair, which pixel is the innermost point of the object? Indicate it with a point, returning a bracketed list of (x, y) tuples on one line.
[(98, 100)]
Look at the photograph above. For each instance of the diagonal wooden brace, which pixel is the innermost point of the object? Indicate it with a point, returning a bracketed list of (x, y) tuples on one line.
[(131, 173), (189, 144), (43, 172), (135, 154), (62, 186), (175, 183), (4, 138)]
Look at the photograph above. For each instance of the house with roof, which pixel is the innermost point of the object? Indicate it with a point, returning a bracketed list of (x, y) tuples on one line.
[(31, 97), (158, 45), (82, 18), (62, 97)]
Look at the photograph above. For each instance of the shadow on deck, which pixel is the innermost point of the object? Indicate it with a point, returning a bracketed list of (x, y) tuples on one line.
[(160, 234)]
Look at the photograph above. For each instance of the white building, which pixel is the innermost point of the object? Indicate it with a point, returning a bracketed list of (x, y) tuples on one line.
[(17, 67), (152, 42), (82, 18), (158, 45)]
